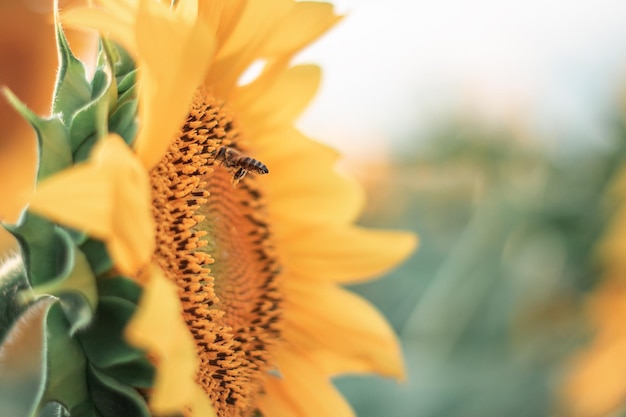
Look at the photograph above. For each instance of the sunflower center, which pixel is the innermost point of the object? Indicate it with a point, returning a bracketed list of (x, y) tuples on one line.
[(213, 241)]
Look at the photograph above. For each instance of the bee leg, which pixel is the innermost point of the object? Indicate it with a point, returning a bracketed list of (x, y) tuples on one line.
[(239, 175)]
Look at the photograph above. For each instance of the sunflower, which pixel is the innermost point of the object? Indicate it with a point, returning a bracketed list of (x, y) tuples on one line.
[(252, 264)]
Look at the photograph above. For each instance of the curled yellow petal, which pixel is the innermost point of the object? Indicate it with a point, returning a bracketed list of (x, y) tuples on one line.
[(158, 327), (109, 198)]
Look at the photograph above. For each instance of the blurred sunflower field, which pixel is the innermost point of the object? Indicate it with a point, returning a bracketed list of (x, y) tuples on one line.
[(222, 289), (511, 306)]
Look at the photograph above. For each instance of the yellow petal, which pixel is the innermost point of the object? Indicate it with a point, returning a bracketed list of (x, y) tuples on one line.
[(107, 197), (304, 193), (79, 197), (326, 317), (221, 15), (283, 145), (277, 97), (200, 404), (302, 392), (345, 254), (167, 87), (597, 385), (243, 45), (158, 327), (334, 364), (131, 241), (257, 19), (604, 359), (263, 31), (119, 27), (305, 23), (311, 198)]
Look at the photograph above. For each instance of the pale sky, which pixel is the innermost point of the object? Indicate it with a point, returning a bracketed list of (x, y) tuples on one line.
[(392, 67)]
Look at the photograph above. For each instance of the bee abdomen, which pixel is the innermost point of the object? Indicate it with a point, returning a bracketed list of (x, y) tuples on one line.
[(255, 165)]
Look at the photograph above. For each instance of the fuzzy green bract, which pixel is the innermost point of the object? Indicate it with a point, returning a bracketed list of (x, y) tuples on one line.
[(62, 309)]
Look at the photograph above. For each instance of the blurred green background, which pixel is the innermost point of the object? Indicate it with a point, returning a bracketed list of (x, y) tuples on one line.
[(492, 305)]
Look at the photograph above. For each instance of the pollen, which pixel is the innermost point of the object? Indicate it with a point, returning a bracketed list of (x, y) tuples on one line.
[(214, 242)]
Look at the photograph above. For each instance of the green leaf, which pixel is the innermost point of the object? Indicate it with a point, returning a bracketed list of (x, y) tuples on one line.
[(114, 399), (72, 90), (22, 362), (52, 137)]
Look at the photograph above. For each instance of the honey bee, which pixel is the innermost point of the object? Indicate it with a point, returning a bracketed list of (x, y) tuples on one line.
[(232, 158)]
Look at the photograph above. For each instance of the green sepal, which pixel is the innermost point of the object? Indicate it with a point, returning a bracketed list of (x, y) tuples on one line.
[(92, 118), (137, 373), (114, 399), (84, 149), (22, 369), (55, 153), (120, 287), (72, 90), (97, 256), (103, 341), (89, 121), (53, 409), (36, 236), (76, 310), (12, 281), (127, 82), (123, 64), (66, 370), (78, 236), (101, 80), (123, 121), (130, 93), (74, 283)]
